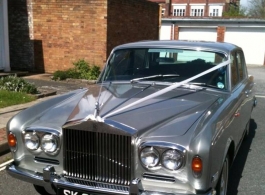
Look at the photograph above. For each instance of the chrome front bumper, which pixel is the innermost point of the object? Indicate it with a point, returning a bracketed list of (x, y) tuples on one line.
[(51, 182)]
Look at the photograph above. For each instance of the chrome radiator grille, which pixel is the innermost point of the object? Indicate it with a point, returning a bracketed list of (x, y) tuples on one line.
[(97, 157)]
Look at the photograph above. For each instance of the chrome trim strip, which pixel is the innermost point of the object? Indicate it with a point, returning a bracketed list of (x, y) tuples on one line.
[(65, 184), (164, 145), (46, 160), (157, 177), (31, 177), (25, 175)]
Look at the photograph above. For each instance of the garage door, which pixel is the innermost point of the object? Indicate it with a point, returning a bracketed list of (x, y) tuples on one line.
[(165, 33), (252, 41), (197, 34)]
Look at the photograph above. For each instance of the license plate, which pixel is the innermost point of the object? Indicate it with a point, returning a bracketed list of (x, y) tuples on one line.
[(63, 191)]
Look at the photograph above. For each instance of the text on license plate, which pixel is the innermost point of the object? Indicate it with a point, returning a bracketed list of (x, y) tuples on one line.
[(73, 192)]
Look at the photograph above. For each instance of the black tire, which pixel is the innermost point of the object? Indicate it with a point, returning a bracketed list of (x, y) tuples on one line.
[(221, 188), (41, 190)]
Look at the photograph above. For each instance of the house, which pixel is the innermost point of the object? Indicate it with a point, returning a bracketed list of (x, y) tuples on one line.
[(45, 36), (247, 33), (4, 41), (195, 8)]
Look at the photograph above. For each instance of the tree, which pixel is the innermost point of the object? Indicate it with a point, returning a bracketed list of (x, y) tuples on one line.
[(257, 8), (235, 11)]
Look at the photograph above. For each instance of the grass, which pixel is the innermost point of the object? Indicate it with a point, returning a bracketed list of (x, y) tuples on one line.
[(9, 98)]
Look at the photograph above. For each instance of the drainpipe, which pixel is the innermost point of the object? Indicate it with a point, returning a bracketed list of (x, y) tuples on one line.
[(6, 37), (170, 7)]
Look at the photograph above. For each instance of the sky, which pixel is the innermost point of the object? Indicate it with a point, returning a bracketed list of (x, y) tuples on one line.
[(244, 3)]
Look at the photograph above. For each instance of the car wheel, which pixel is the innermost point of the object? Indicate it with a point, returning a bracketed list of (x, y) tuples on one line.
[(41, 190), (221, 188)]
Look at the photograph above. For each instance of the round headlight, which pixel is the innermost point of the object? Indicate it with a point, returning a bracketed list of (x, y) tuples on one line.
[(172, 159), (32, 141), (149, 157), (49, 143)]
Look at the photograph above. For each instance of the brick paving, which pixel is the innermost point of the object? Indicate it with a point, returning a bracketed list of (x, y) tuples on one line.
[(3, 141), (2, 135)]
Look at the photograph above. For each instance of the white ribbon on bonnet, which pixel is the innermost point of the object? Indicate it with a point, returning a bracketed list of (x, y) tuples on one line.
[(153, 95)]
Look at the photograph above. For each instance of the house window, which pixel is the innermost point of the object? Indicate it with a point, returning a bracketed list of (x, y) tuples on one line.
[(215, 11), (179, 10), (163, 12), (197, 12)]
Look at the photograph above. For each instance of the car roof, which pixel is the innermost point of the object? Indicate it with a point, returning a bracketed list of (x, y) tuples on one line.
[(207, 45)]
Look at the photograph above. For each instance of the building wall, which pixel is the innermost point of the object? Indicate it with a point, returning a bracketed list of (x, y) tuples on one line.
[(46, 35), (20, 44), (168, 6), (65, 31), (130, 20), (1, 36), (225, 30)]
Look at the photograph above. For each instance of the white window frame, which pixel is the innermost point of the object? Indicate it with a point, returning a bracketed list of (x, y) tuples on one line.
[(163, 12), (215, 10), (179, 10), (197, 10)]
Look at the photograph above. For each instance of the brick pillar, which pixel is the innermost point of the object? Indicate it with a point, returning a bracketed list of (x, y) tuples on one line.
[(221, 33), (188, 10), (176, 32)]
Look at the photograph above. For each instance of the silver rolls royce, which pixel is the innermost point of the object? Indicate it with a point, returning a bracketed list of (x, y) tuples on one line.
[(165, 118)]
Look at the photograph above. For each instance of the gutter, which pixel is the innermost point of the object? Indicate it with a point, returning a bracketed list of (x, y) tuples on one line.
[(215, 21)]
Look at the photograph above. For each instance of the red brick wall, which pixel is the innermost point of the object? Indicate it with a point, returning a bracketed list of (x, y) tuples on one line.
[(48, 35), (176, 32), (68, 31), (221, 33), (130, 20)]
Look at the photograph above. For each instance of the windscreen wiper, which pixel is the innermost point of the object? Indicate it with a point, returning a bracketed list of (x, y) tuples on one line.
[(154, 76), (202, 84)]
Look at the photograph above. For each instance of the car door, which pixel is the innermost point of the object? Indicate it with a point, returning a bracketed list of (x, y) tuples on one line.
[(239, 86), (247, 90)]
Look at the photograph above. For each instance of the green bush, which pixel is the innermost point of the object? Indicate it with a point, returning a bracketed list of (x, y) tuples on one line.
[(82, 66), (94, 72), (62, 75), (13, 83), (81, 70)]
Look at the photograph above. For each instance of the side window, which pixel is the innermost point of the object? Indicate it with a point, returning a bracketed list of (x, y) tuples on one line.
[(234, 72), (241, 65)]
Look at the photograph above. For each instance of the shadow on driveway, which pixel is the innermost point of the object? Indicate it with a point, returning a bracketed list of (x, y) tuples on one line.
[(240, 160)]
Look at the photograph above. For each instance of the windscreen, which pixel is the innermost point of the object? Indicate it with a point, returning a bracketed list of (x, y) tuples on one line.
[(175, 64)]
